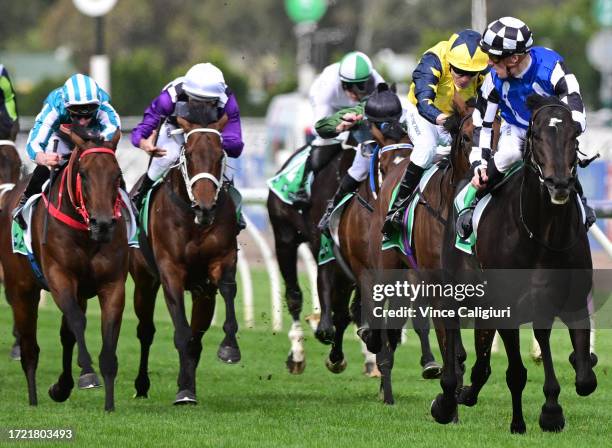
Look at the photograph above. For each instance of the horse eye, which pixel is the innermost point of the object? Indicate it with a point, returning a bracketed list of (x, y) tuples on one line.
[(465, 138), (82, 174)]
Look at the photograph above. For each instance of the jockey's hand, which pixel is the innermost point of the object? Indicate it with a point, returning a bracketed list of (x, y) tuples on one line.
[(49, 159), (480, 177), (148, 146), (348, 121), (440, 119)]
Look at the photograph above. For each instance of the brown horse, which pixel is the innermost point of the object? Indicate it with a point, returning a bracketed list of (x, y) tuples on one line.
[(192, 232), (85, 254), (429, 218), (10, 171)]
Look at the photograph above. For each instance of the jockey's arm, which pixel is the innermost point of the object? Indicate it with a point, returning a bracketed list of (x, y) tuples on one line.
[(10, 104), (41, 132), (161, 107), (109, 121), (567, 89), (329, 127), (232, 131), (426, 77)]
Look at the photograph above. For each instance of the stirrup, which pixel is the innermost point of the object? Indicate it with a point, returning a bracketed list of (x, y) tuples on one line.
[(463, 226)]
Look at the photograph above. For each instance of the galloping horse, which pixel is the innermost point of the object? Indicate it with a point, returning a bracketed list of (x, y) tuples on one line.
[(82, 252), (292, 227), (10, 170), (192, 232), (428, 229), (534, 223)]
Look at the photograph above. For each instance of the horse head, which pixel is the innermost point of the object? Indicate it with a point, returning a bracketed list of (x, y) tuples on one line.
[(94, 192), (551, 146), (394, 144), (202, 161)]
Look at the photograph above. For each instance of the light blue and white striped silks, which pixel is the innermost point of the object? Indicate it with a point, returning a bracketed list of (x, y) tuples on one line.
[(80, 89)]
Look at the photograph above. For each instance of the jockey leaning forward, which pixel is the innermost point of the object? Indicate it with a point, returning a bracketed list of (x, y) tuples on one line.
[(518, 70)]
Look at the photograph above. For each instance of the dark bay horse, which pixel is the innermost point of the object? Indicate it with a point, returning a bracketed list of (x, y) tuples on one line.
[(192, 232), (293, 226), (85, 254), (430, 217), (532, 224), (10, 171)]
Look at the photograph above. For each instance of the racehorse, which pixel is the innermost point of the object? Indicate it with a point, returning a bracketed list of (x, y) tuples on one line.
[(537, 214), (10, 171), (293, 226), (82, 252), (428, 228), (192, 231)]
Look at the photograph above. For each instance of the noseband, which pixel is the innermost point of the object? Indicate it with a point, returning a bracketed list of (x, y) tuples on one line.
[(189, 181)]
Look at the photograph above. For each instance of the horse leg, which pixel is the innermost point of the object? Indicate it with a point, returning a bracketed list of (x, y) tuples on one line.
[(335, 362), (25, 314), (174, 295), (430, 368), (201, 318), (444, 406), (145, 294), (516, 378), (61, 390), (483, 340), (551, 417), (385, 360), (327, 276), (88, 378), (229, 351), (16, 348), (583, 361), (286, 243), (112, 302)]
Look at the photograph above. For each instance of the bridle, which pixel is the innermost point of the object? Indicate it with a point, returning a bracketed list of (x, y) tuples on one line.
[(190, 181), (531, 162)]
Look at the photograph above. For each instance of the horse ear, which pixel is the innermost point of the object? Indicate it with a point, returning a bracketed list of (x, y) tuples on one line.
[(116, 138), (460, 105), (393, 87), (220, 124), (76, 139), (184, 124)]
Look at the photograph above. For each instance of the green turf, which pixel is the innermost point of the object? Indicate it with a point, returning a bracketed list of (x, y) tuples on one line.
[(257, 403)]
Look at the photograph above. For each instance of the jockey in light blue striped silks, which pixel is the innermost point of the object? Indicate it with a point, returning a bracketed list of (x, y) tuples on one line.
[(80, 101)]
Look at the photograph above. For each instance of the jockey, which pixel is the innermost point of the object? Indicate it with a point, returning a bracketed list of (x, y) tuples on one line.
[(202, 82), (519, 70), (9, 122), (382, 109), (80, 101), (456, 65), (340, 85)]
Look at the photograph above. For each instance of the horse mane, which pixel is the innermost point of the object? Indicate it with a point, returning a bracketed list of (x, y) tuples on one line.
[(535, 101)]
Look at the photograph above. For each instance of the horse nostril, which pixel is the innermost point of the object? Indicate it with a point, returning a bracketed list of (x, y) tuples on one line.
[(93, 221)]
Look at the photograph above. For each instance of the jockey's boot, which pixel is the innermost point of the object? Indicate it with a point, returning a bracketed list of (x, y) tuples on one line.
[(591, 217), (463, 226), (142, 191), (347, 185), (39, 176), (301, 198), (393, 220)]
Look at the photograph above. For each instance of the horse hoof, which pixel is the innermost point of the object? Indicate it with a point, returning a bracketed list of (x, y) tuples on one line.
[(518, 427), (325, 335), (16, 352), (89, 381), (551, 418), (140, 395), (59, 394), (185, 397), (336, 367), (588, 386), (142, 385), (228, 354), (442, 412), (431, 370), (594, 359), (466, 397), (295, 367), (370, 369)]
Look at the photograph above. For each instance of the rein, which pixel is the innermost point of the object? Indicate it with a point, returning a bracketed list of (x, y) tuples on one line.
[(79, 203), (190, 181)]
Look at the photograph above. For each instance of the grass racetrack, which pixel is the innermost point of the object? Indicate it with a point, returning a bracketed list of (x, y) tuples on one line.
[(257, 403)]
